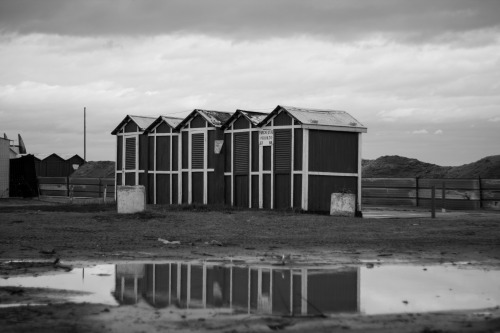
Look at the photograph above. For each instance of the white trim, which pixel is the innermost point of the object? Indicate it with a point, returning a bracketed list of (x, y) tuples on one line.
[(232, 169), (179, 169), (338, 174), (272, 167), (292, 160), (335, 128), (261, 177), (304, 291), (360, 169), (155, 186), (305, 169), (170, 168), (205, 167)]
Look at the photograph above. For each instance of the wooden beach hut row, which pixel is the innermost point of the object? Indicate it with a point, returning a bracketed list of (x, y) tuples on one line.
[(289, 158)]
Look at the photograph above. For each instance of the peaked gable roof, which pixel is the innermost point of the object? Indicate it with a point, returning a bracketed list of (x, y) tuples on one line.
[(170, 121), (215, 118), (254, 117), (140, 121), (321, 117)]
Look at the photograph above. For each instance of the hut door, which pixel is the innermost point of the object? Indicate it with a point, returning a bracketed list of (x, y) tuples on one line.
[(241, 169), (198, 167), (282, 168), (130, 160)]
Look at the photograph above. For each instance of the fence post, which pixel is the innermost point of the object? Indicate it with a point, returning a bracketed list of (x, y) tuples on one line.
[(443, 195), (480, 192), (416, 184), (67, 186), (433, 202)]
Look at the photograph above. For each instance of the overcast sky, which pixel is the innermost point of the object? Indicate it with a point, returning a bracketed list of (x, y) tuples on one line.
[(423, 76)]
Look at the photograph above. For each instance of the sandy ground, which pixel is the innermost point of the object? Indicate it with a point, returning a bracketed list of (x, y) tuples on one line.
[(39, 233)]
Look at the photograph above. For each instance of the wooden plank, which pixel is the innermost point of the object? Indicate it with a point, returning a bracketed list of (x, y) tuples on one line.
[(389, 202), (108, 181), (85, 188), (84, 181), (493, 184), (452, 204), (450, 194), (85, 194), (52, 187), (51, 180), (389, 193), (389, 182), (491, 195), (465, 184), (54, 193), (491, 204)]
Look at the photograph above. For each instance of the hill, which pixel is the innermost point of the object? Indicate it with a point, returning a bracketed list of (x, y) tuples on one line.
[(97, 169), (400, 167)]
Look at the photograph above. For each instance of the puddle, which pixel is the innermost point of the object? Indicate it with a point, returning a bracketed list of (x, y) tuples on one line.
[(298, 291)]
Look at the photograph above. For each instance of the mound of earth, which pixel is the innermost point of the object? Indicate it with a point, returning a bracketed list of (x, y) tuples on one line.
[(400, 167), (97, 169)]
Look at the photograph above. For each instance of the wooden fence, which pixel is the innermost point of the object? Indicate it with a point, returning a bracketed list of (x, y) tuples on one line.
[(76, 187), (449, 193)]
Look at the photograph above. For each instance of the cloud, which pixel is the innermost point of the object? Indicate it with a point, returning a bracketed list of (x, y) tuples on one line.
[(251, 19), (422, 131), (438, 132), (494, 120)]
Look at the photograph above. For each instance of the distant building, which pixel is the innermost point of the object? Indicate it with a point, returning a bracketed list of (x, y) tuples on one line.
[(57, 165), (290, 158), (4, 167)]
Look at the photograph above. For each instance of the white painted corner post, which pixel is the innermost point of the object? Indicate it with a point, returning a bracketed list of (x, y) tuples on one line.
[(359, 172), (305, 169)]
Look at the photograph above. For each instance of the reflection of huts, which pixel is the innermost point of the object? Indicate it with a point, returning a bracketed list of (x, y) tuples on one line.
[(290, 158), (4, 167), (261, 289), (57, 165)]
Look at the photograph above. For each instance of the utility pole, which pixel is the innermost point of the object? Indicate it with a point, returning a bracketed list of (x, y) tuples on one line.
[(84, 134)]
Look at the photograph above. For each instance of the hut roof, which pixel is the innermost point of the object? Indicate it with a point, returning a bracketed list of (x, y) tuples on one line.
[(215, 118), (140, 121), (171, 121), (254, 117)]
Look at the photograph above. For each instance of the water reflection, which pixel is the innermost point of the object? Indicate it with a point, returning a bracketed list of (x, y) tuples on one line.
[(269, 290)]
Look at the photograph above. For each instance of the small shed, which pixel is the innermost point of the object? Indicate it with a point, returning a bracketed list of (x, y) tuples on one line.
[(241, 141), (163, 162), (4, 167), (313, 153), (202, 157), (132, 150), (56, 165)]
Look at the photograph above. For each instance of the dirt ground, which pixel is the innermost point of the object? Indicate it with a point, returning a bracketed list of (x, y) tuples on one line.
[(38, 233)]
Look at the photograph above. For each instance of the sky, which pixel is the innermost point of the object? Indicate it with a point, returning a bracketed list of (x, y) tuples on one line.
[(422, 76)]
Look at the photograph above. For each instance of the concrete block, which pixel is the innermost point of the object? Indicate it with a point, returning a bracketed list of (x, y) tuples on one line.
[(343, 204), (131, 199)]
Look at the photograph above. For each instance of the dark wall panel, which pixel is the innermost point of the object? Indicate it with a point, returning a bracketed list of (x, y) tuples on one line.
[(162, 189), (227, 152), (197, 189), (297, 149), (163, 128), (210, 149), (175, 153), (130, 178), (175, 189), (118, 179), (185, 150), (322, 187), (163, 153), (282, 151), (143, 152), (267, 191), (255, 192), (241, 153), (198, 122), (130, 153), (143, 179), (241, 123), (151, 154), (227, 190), (333, 151), (283, 119), (241, 191), (131, 127), (255, 151), (297, 191), (119, 152), (185, 188), (333, 292), (266, 163), (282, 186), (151, 189)]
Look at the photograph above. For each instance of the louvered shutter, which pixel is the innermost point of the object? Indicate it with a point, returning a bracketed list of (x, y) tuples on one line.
[(130, 153), (241, 153), (197, 151), (282, 150)]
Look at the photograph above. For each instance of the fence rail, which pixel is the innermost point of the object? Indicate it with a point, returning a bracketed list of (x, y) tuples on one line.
[(450, 193), (76, 187)]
